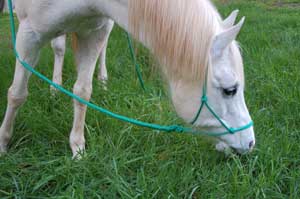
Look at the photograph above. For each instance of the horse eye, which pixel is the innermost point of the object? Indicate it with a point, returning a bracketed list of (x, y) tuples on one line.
[(230, 92)]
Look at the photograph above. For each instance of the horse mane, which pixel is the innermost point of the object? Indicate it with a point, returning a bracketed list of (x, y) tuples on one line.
[(178, 32)]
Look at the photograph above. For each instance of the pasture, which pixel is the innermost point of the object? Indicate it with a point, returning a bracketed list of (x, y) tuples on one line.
[(125, 161)]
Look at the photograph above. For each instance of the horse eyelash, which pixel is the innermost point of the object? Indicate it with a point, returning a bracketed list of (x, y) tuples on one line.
[(233, 89)]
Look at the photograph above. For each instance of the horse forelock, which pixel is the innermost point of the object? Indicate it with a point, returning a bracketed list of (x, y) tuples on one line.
[(179, 32)]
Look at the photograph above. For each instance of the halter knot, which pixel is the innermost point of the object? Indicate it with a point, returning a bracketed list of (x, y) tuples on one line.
[(177, 129), (231, 131), (204, 98)]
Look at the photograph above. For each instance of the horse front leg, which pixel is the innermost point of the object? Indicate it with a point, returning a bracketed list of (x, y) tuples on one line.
[(89, 46), (102, 75), (59, 47), (28, 45)]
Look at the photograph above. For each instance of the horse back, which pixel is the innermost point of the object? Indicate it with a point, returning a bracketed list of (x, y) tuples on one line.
[(58, 17)]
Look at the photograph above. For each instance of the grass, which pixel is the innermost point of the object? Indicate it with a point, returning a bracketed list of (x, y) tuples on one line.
[(124, 161)]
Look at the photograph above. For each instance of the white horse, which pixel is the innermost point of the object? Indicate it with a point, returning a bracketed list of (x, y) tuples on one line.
[(59, 47), (187, 37)]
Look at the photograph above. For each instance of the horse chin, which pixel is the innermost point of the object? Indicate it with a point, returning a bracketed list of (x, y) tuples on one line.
[(228, 150), (224, 148)]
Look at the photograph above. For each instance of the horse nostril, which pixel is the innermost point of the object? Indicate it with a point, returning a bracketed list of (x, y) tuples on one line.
[(251, 144)]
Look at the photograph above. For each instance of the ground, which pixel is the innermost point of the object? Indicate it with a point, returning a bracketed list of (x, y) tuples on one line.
[(124, 161)]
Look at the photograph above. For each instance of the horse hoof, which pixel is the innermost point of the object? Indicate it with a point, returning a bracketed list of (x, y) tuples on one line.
[(78, 156), (78, 151), (3, 141), (53, 91), (3, 149), (103, 81)]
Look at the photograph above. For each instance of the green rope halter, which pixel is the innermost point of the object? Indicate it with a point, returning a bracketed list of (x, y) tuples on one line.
[(170, 128)]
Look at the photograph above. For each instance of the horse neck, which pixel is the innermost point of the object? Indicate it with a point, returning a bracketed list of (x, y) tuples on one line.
[(185, 93), (119, 10)]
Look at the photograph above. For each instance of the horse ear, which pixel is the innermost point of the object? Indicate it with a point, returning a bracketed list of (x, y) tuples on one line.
[(229, 21), (222, 40)]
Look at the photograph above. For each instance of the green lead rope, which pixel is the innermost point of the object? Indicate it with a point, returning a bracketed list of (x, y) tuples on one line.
[(171, 128), (137, 67)]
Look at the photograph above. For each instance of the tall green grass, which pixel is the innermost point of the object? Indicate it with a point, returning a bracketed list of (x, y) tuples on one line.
[(125, 161)]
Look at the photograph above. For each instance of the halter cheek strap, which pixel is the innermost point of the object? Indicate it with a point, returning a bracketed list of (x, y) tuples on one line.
[(204, 102)]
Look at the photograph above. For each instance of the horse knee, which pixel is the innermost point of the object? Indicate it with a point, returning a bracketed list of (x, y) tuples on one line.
[(59, 46), (59, 50), (83, 90), (16, 100)]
